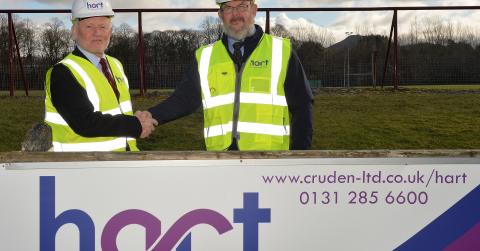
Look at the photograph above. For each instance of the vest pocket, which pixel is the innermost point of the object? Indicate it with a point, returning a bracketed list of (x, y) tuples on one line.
[(220, 79), (258, 85)]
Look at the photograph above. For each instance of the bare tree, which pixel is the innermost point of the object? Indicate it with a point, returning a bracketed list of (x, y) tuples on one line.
[(437, 32), (413, 37), (365, 29), (3, 49), (124, 31), (466, 34), (25, 32), (308, 33), (187, 41), (211, 29), (3, 37), (449, 32), (152, 53), (281, 31), (54, 41), (124, 43), (434, 30)]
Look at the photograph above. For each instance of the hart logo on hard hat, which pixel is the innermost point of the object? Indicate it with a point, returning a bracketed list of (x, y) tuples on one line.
[(91, 8), (94, 5)]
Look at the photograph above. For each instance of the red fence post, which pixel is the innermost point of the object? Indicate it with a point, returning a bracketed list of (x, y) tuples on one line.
[(396, 52), (385, 66), (10, 54), (267, 22), (25, 84), (141, 57), (394, 35)]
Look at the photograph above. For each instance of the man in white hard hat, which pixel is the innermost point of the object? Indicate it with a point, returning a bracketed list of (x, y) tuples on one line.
[(252, 87), (88, 104)]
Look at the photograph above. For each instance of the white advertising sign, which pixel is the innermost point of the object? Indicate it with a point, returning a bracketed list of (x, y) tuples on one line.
[(242, 205)]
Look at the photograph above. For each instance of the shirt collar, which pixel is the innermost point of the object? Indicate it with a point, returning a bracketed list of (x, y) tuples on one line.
[(231, 41), (90, 56)]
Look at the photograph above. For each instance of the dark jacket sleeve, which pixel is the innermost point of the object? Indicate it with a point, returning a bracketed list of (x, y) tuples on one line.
[(300, 100), (72, 103), (186, 98)]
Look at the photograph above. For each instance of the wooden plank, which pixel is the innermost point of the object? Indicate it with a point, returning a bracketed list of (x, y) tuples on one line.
[(16, 157)]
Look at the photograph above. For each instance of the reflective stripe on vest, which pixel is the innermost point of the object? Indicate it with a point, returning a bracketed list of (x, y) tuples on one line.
[(55, 118), (217, 103), (88, 147), (257, 128), (90, 88)]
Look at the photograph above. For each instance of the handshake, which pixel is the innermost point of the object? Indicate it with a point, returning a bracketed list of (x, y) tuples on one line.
[(147, 121)]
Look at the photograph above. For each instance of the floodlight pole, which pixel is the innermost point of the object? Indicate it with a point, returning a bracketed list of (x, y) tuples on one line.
[(348, 67), (344, 70), (374, 63), (374, 68)]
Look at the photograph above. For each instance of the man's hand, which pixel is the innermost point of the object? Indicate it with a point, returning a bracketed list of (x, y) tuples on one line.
[(147, 121)]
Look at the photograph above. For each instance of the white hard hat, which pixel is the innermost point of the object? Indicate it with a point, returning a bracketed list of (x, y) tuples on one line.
[(91, 8)]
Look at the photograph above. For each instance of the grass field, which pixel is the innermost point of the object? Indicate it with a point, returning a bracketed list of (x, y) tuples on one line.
[(441, 117)]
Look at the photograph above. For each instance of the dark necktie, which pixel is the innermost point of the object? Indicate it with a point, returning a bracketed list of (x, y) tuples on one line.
[(109, 77), (237, 53)]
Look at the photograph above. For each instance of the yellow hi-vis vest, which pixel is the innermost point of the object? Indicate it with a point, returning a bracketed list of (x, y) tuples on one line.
[(103, 99), (263, 121)]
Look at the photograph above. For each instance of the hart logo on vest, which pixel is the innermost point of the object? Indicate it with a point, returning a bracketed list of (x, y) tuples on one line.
[(259, 64), (119, 79)]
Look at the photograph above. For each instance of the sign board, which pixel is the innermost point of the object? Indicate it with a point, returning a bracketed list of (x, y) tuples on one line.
[(300, 204)]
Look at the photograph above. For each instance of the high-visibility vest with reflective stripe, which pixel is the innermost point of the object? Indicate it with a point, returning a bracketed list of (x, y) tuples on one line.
[(103, 99), (263, 122)]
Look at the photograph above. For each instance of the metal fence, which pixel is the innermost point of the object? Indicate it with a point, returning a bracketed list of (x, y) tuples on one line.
[(321, 73), (167, 75)]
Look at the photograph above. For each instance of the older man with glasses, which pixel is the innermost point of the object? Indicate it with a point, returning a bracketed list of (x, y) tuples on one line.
[(251, 85)]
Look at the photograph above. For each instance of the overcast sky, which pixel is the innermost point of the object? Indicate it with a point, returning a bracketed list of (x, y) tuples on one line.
[(338, 23)]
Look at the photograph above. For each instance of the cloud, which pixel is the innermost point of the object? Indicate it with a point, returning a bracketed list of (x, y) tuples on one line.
[(173, 21), (337, 22)]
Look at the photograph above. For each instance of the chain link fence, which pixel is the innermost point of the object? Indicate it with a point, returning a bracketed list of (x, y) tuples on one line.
[(166, 75)]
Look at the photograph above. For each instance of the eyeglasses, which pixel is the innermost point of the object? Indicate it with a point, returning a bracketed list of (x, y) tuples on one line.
[(240, 9), (92, 28)]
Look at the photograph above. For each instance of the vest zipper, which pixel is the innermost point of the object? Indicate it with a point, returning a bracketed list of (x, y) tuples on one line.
[(236, 102)]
